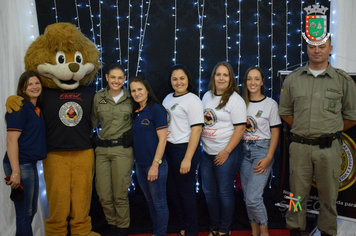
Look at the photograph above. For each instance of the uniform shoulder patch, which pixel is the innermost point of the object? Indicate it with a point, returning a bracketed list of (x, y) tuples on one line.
[(343, 73)]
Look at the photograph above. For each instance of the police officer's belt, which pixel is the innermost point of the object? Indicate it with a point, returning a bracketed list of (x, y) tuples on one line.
[(324, 141), (109, 143)]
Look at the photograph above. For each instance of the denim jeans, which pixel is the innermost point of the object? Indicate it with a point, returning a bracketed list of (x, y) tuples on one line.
[(218, 187), (253, 184), (155, 193), (181, 188), (27, 208)]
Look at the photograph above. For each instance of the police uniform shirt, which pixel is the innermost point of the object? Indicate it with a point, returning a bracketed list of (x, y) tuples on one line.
[(219, 123), (144, 129), (32, 141), (115, 117), (184, 111), (67, 117), (318, 104), (261, 117)]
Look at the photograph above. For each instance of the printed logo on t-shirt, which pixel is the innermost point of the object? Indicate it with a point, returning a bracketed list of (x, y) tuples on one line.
[(259, 113), (174, 106), (209, 117), (168, 117), (209, 133), (70, 96), (70, 113), (145, 122), (251, 126)]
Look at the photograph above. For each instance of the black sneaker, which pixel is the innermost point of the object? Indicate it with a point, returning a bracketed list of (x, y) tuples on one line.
[(122, 231)]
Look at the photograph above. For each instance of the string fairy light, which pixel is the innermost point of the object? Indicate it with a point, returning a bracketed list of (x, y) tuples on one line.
[(258, 31), (175, 33), (287, 34), (299, 31), (272, 52), (226, 32), (239, 45), (100, 46), (55, 10), (142, 34), (77, 11), (118, 31), (91, 21), (201, 46), (128, 41)]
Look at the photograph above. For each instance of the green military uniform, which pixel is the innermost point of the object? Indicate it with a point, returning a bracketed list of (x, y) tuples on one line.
[(113, 164), (318, 105)]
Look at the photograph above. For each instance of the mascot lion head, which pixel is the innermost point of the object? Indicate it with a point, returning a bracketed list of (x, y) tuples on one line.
[(63, 57)]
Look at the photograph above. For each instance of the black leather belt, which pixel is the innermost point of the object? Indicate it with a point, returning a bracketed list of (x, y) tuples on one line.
[(109, 143), (324, 141)]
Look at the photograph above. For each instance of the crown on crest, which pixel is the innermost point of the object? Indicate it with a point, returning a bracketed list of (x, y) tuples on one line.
[(315, 9)]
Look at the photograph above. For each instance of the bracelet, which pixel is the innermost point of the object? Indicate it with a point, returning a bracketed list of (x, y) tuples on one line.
[(227, 151), (14, 175)]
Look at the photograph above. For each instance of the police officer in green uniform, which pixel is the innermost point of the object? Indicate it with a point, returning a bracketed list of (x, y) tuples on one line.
[(318, 101), (114, 154)]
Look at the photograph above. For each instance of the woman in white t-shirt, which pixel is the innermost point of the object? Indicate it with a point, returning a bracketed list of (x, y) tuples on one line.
[(260, 141), (224, 124), (185, 121)]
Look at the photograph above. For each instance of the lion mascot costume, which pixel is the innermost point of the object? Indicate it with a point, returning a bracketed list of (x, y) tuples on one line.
[(66, 61)]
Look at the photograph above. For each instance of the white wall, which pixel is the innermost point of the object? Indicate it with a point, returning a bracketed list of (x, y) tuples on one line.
[(343, 30)]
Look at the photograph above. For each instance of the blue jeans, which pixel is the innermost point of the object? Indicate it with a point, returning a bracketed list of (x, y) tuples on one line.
[(27, 208), (253, 184), (181, 188), (155, 193), (218, 187)]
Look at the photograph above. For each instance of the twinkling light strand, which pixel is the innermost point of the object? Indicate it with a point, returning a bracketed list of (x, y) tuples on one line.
[(226, 32), (272, 47), (76, 10), (239, 44), (100, 46), (142, 35), (118, 31), (258, 30), (91, 21), (175, 33), (300, 32), (94, 40), (55, 10), (201, 46), (128, 41), (287, 34)]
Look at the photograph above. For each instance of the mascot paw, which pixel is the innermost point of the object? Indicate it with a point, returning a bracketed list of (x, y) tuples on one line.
[(13, 103), (92, 233)]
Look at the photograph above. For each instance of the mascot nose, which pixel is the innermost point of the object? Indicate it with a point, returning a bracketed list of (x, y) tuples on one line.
[(74, 67)]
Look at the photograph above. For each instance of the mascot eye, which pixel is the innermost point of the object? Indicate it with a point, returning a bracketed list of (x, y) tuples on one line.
[(78, 57), (60, 57)]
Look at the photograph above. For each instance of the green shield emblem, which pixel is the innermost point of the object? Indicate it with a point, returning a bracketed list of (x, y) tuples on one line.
[(316, 27)]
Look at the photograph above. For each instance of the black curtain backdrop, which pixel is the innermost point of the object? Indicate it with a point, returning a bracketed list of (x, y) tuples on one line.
[(158, 52)]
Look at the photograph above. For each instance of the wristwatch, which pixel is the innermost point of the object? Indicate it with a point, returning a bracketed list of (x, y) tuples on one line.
[(159, 161)]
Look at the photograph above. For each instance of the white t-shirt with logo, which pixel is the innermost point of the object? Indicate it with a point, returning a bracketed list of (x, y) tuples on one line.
[(261, 117), (219, 123), (183, 111)]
